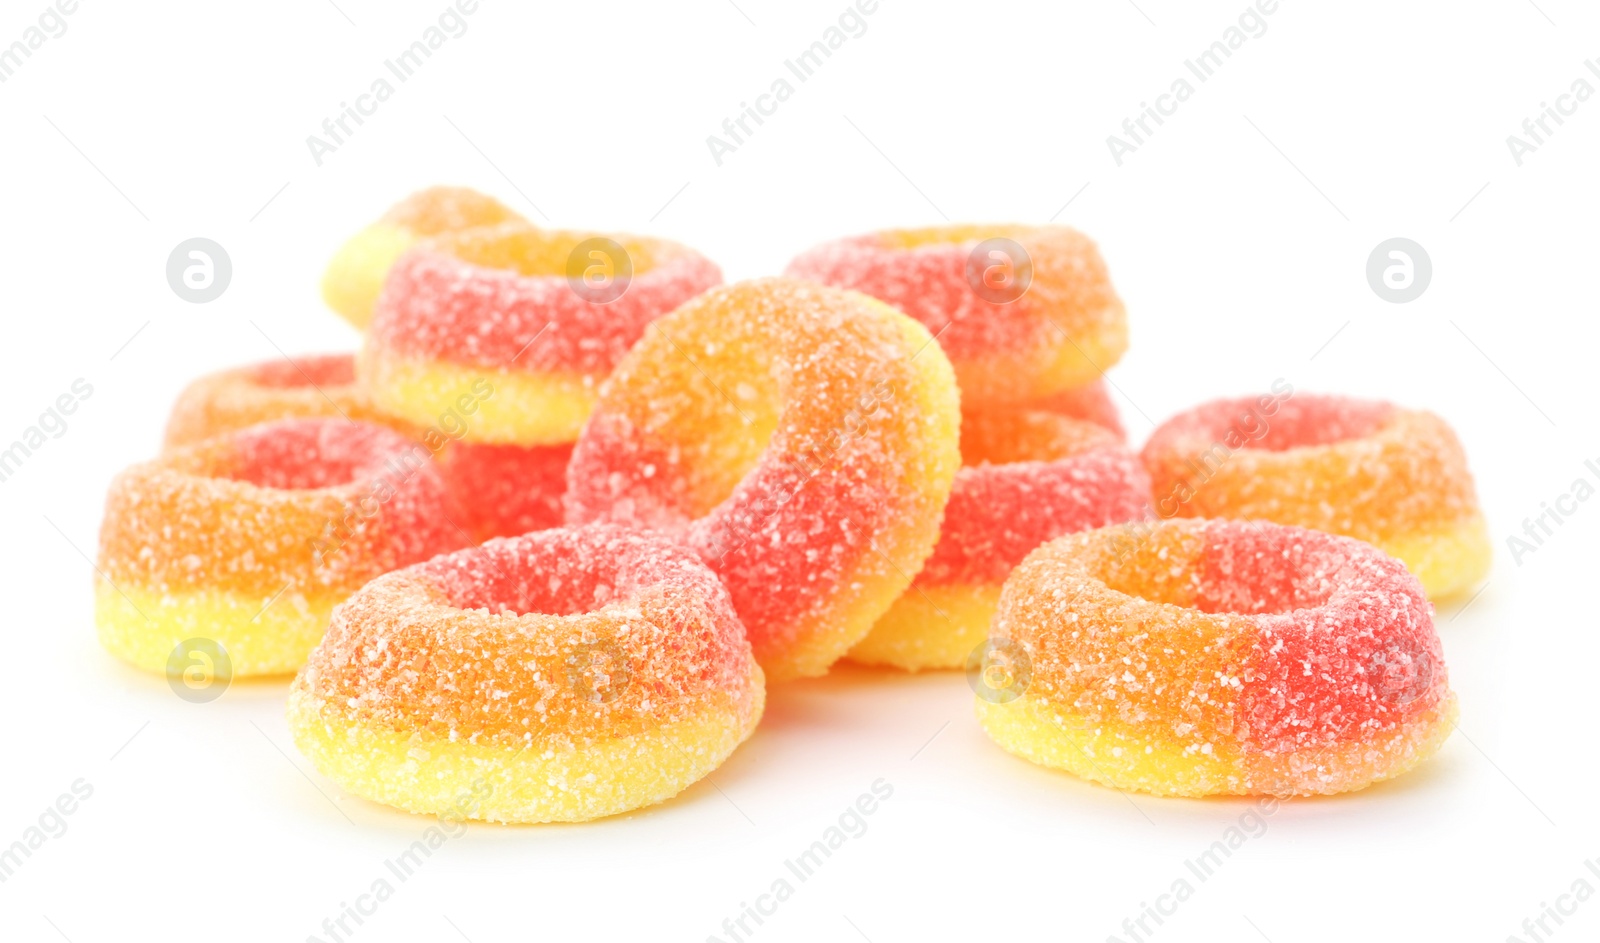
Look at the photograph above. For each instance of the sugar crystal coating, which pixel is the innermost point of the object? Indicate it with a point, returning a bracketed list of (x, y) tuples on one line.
[(558, 676), (802, 439), (251, 537), (1222, 657), (356, 273), (1393, 477), (1063, 331), (1027, 477)]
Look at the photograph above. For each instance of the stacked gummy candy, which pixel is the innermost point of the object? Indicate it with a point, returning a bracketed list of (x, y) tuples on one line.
[(538, 547)]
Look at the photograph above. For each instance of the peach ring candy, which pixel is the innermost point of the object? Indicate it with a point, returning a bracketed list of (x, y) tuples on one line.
[(356, 273), (248, 540), (1027, 478), (1216, 658), (542, 315), (304, 387), (1393, 477), (802, 439), (1022, 311), (505, 490), (559, 676)]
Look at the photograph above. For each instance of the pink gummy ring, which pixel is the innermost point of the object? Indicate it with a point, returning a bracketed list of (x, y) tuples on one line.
[(1027, 477), (556, 676), (1218, 657), (541, 315), (1022, 311), (801, 438)]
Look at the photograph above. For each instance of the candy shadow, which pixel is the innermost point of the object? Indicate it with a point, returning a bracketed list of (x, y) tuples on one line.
[(833, 701), (126, 677), (1400, 793)]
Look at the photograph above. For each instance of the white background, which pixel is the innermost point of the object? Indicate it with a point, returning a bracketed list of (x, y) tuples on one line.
[(145, 125)]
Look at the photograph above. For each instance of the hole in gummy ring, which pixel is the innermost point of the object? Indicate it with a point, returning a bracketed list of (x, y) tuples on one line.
[(1231, 567), (307, 454), (1310, 420)]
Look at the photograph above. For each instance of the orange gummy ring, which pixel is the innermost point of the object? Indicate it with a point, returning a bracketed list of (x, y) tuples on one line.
[(543, 315), (306, 387), (558, 676), (357, 271), (1027, 477), (1367, 469), (1216, 658), (802, 439), (1022, 311), (250, 539)]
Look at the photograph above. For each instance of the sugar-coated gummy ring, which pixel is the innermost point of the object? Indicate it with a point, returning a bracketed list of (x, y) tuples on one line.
[(1221, 658), (553, 677), (517, 306), (1393, 477), (251, 538), (356, 273), (1027, 477), (801, 438), (505, 490), (1022, 311), (304, 387)]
